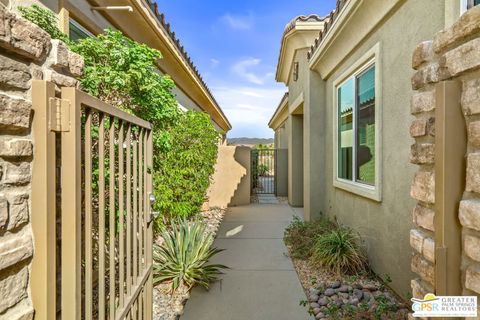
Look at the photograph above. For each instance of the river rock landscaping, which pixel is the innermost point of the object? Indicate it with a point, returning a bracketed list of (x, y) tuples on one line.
[(168, 305), (338, 293), (363, 299)]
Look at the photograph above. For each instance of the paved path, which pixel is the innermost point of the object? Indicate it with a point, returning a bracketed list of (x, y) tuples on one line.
[(262, 283)]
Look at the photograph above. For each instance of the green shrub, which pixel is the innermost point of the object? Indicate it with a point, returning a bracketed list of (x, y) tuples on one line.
[(339, 250), (300, 235), (262, 169), (45, 19), (123, 73), (183, 257), (185, 170)]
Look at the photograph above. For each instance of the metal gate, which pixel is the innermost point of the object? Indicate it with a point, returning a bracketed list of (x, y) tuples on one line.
[(263, 171), (91, 212)]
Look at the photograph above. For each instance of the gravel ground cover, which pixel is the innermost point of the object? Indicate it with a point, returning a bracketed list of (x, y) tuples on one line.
[(349, 297)]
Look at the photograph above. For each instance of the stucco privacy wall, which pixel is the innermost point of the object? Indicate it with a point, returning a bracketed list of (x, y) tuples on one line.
[(384, 225), (231, 181), (26, 53), (454, 54)]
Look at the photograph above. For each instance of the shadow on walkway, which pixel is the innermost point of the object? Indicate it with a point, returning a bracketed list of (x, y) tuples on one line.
[(262, 283)]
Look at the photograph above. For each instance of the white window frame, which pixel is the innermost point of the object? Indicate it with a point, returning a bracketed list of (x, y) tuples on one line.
[(463, 6), (81, 28), (369, 59)]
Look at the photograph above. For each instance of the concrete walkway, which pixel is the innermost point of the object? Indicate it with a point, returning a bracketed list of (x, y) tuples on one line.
[(262, 283)]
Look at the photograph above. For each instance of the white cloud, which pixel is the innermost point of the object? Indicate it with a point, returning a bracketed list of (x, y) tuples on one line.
[(238, 22), (214, 62), (243, 69), (249, 108)]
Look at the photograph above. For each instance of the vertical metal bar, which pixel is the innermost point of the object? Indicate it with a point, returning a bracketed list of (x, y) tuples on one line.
[(450, 150), (135, 212), (71, 210), (121, 199), (140, 202), (101, 217), (43, 275), (145, 199), (111, 216), (143, 233), (88, 216), (140, 305), (129, 210), (149, 243), (135, 309)]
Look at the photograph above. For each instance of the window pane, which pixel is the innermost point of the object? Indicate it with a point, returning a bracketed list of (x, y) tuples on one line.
[(365, 148), (77, 32), (345, 130)]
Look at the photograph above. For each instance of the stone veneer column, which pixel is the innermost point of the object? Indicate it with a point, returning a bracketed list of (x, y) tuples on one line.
[(453, 54), (26, 53)]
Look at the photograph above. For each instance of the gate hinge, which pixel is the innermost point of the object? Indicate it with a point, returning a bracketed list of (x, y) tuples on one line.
[(59, 115)]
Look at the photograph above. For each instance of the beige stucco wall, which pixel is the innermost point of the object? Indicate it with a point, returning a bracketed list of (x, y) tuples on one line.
[(295, 88), (383, 225), (281, 137), (295, 160), (281, 173), (231, 181)]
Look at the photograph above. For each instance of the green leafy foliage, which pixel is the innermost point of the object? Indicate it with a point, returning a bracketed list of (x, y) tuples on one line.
[(183, 257), (186, 169), (45, 19), (300, 235), (339, 250), (123, 73), (263, 169)]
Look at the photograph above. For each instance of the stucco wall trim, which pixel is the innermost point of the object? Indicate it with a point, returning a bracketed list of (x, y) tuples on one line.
[(341, 39), (371, 57), (344, 15), (297, 102)]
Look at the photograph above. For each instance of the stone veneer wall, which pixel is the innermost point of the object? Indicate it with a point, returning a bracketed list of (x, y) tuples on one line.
[(454, 53), (26, 53)]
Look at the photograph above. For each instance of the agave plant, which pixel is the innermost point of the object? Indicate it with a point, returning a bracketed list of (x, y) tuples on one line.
[(183, 256)]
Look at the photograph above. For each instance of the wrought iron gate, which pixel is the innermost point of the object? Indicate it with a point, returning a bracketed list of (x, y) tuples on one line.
[(263, 171), (92, 217)]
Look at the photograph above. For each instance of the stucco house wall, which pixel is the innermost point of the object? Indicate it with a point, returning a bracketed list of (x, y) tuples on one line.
[(384, 225), (281, 137)]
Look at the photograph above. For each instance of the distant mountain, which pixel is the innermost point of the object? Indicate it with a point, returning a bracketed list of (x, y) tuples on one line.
[(248, 141)]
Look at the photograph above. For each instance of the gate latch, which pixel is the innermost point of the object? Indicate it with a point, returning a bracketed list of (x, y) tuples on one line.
[(153, 214), (59, 115)]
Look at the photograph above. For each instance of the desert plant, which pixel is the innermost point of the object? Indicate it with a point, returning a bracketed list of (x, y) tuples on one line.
[(339, 250), (300, 235), (183, 256)]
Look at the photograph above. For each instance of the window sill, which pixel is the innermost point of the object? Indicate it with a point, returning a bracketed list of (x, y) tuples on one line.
[(369, 192)]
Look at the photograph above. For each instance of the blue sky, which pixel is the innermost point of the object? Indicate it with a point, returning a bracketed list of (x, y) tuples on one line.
[(235, 45)]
